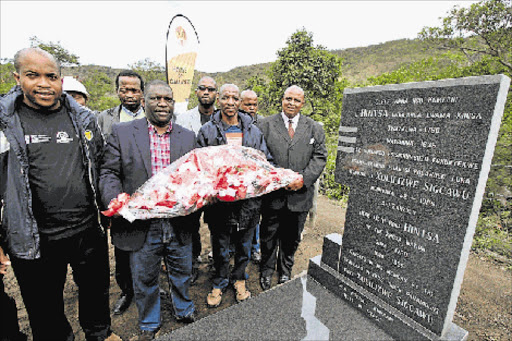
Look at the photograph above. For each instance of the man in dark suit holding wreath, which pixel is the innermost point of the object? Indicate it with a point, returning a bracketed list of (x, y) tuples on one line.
[(137, 150)]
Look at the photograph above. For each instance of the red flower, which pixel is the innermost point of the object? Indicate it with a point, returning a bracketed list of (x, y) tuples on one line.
[(241, 192), (116, 204)]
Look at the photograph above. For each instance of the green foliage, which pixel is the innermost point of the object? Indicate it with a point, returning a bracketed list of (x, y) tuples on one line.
[(315, 70), (362, 62), (65, 57), (488, 23), (6, 78), (328, 186), (490, 235), (447, 65), (99, 85), (259, 85), (149, 70)]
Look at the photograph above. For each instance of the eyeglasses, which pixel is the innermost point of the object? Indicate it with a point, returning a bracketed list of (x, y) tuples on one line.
[(204, 88)]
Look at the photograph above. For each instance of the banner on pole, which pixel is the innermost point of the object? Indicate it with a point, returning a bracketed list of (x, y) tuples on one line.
[(180, 56)]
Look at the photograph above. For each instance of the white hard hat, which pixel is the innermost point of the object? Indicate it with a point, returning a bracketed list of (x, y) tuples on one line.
[(71, 84)]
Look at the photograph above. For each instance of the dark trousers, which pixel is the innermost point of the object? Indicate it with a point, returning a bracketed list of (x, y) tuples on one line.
[(123, 271), (280, 235), (221, 237), (196, 238), (9, 327), (42, 281)]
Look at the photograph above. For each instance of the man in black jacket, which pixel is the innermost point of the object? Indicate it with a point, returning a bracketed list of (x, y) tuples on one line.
[(50, 147), (231, 220), (130, 90)]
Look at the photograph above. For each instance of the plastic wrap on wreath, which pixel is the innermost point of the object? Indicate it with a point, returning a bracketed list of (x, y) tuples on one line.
[(201, 177)]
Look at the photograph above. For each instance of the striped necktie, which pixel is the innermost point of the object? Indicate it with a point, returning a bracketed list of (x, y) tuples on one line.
[(290, 129)]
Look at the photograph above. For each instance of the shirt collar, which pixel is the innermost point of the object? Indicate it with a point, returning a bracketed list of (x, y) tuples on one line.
[(226, 126), (152, 128), (286, 119), (131, 113)]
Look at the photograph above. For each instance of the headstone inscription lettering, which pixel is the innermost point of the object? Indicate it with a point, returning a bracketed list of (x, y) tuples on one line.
[(416, 157)]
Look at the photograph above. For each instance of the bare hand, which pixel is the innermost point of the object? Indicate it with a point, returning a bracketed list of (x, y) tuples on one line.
[(295, 185)]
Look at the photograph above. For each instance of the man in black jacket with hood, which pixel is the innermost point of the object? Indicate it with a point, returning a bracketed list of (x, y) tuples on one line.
[(49, 152)]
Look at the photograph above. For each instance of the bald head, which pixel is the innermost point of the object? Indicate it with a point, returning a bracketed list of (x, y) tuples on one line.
[(38, 75), (230, 87), (229, 101), (206, 93), (30, 51), (207, 79), (293, 100), (248, 94), (249, 102), (296, 89)]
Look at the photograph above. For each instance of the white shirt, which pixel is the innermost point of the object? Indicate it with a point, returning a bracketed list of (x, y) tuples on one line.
[(295, 121)]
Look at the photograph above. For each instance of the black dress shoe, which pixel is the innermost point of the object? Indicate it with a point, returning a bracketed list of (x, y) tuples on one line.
[(195, 276), (122, 304), (265, 282), (186, 319), (147, 335), (283, 279)]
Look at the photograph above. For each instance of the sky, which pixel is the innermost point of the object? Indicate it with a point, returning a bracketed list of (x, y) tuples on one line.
[(231, 33)]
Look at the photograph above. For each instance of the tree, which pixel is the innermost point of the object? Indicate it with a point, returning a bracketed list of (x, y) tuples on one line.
[(101, 90), (483, 29), (315, 70), (65, 57), (259, 85), (6, 79), (149, 70)]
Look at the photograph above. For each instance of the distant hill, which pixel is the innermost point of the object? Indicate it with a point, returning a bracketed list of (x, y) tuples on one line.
[(370, 61), (359, 63)]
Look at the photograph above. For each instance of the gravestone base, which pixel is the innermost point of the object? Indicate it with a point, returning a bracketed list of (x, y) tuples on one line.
[(300, 309), (325, 270)]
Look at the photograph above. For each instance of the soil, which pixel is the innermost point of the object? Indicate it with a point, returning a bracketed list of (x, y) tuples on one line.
[(483, 309)]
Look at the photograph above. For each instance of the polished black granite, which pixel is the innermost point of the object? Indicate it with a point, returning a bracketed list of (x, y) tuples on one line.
[(416, 157), (298, 310)]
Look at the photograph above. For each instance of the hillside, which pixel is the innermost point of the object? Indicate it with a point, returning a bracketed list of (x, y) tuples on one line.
[(362, 62), (359, 63)]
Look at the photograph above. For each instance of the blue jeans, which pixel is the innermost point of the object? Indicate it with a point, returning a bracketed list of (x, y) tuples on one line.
[(256, 240), (255, 247), (161, 241)]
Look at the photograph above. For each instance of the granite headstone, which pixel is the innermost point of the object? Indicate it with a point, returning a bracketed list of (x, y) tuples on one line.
[(416, 157)]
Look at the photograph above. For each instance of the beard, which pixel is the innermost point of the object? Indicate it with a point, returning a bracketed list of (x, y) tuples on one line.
[(206, 102)]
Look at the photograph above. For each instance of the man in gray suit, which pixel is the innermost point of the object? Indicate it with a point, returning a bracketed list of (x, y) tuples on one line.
[(296, 142)]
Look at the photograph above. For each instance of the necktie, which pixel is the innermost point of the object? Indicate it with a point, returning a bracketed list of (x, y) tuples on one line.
[(290, 129)]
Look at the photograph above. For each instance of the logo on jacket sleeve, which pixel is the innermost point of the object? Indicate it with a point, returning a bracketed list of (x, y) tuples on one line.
[(88, 135)]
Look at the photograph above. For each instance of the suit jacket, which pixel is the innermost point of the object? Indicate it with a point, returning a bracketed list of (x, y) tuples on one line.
[(126, 165), (305, 153)]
